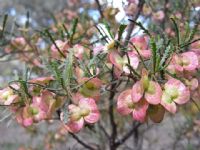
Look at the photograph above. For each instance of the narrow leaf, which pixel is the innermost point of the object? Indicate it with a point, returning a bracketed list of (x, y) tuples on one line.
[(68, 69), (4, 23), (154, 53), (53, 41), (177, 31), (66, 31), (73, 29), (122, 27), (141, 26), (107, 26)]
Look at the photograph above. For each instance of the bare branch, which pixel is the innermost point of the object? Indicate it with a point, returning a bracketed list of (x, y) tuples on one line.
[(99, 8), (127, 135), (132, 24), (81, 142)]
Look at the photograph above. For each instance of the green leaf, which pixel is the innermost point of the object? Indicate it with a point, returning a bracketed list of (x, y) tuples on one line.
[(53, 41), (187, 31), (141, 58), (157, 62), (154, 53), (192, 33), (66, 31), (24, 89), (27, 21), (174, 76), (68, 69), (122, 27), (52, 15), (4, 23), (54, 68), (73, 29), (141, 26), (166, 55), (177, 31), (107, 26)]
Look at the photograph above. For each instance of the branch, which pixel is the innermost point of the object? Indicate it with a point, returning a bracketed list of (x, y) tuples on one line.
[(53, 41), (99, 8), (127, 135), (111, 114), (104, 130), (187, 44), (132, 24), (81, 142)]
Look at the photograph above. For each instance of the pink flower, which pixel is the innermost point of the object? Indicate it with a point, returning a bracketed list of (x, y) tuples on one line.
[(170, 32), (159, 15), (116, 59), (49, 103), (126, 106), (19, 43), (195, 94), (122, 62), (131, 8), (79, 73), (30, 114), (187, 61), (7, 96), (41, 108), (133, 1), (174, 92), (91, 87), (85, 111), (78, 51), (192, 83), (42, 80), (63, 47), (197, 52), (104, 49), (24, 116), (146, 10), (38, 113), (178, 15), (134, 62), (98, 49), (141, 44), (76, 97), (195, 45), (149, 90)]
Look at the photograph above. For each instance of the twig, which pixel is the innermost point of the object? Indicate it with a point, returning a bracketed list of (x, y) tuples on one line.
[(195, 40), (99, 8), (127, 135), (86, 81), (111, 115), (139, 55), (53, 41), (104, 130), (81, 142)]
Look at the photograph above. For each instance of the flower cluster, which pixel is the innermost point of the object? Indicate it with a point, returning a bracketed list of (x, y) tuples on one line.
[(150, 98), (29, 109), (85, 111), (159, 74)]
